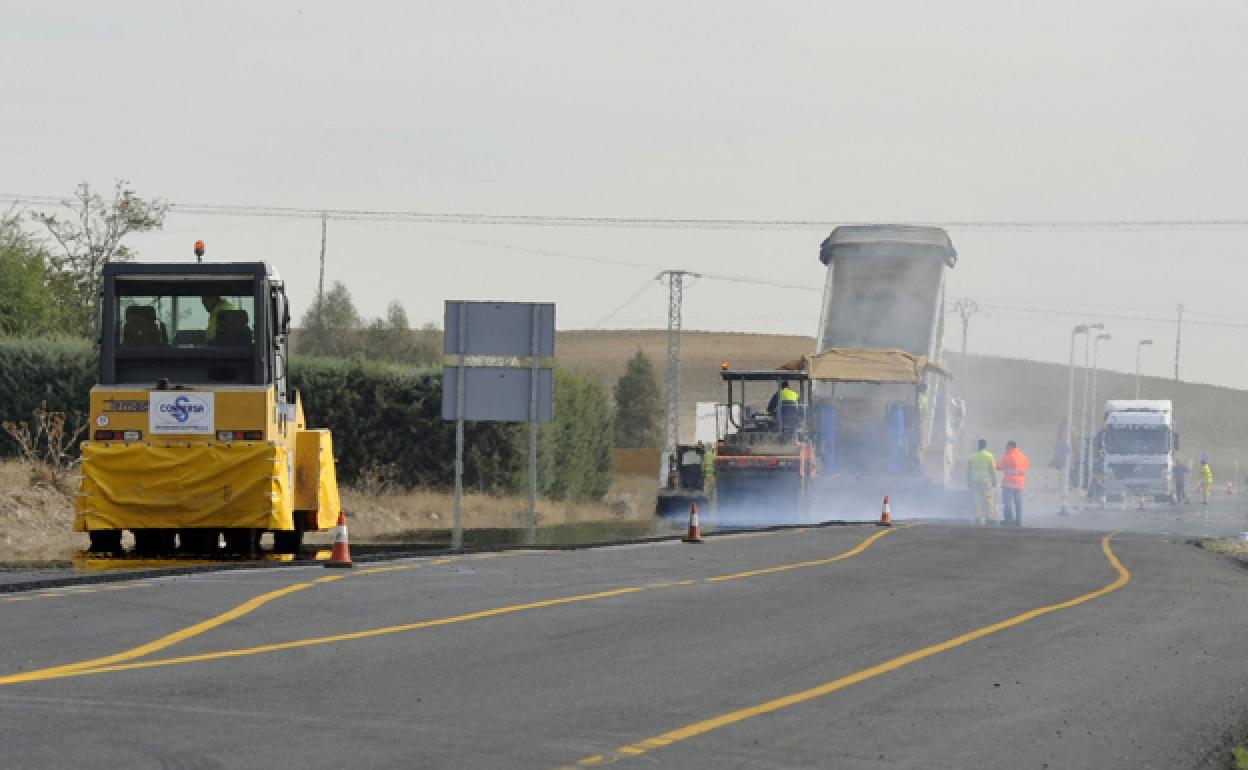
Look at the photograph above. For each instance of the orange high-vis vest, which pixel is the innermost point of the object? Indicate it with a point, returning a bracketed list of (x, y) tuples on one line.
[(1015, 465)]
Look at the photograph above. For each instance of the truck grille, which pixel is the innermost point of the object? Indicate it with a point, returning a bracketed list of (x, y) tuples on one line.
[(1133, 471)]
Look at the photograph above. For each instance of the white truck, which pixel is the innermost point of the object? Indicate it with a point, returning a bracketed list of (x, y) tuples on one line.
[(1138, 445)]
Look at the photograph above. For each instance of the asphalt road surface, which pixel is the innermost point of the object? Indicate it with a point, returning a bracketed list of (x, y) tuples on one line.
[(929, 646)]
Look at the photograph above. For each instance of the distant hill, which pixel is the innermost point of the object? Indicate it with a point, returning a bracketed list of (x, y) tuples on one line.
[(1006, 398)]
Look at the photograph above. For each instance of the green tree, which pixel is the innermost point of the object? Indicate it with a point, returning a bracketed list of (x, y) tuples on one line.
[(90, 236), (332, 328), (28, 306), (392, 339), (389, 338), (574, 448), (637, 405), (428, 351)]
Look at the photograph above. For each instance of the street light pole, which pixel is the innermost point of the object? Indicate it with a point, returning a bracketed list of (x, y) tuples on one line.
[(1096, 370), (1070, 416), (1178, 338), (1083, 413), (1138, 346)]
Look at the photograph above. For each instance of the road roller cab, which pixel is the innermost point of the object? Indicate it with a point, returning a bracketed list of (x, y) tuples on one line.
[(195, 433)]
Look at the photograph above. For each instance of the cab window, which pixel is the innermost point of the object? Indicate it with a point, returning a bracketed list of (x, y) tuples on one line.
[(186, 314)]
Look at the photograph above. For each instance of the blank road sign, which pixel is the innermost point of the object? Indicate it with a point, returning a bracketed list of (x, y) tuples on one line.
[(499, 329), (497, 393)]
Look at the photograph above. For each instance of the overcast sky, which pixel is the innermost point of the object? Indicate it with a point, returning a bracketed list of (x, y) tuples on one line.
[(855, 111)]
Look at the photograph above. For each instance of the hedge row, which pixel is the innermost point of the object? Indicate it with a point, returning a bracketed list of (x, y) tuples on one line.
[(386, 420), (57, 371)]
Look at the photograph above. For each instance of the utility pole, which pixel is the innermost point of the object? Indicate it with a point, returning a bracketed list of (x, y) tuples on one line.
[(1178, 338), (966, 308), (1096, 368), (320, 284), (1138, 346), (671, 390), (1083, 414), (1070, 419)]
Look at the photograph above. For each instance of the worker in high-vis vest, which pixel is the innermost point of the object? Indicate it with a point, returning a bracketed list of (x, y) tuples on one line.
[(1205, 477), (215, 306), (981, 477), (1013, 466), (783, 405), (708, 470)]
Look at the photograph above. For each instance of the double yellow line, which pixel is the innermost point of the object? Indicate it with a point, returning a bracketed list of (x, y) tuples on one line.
[(733, 717), (127, 660), (251, 605)]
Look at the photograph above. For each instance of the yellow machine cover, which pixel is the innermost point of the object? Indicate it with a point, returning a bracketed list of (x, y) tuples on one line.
[(185, 484), (316, 484)]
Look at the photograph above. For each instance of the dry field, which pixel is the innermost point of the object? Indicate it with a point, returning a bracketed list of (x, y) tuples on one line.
[(378, 515), (36, 519)]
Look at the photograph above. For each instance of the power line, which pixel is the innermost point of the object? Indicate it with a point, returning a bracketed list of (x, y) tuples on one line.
[(627, 222), (745, 279), (631, 298), (1095, 314)]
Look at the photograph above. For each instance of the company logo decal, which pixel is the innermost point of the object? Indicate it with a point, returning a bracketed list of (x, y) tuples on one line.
[(182, 413), (183, 408)]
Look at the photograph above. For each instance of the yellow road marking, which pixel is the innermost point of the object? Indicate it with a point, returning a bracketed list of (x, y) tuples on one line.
[(170, 639), (733, 717), (61, 672), (158, 644), (59, 594), (118, 662), (396, 568), (864, 545)]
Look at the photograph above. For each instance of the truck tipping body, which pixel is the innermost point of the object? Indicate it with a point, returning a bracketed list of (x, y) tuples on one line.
[(875, 417), (880, 435)]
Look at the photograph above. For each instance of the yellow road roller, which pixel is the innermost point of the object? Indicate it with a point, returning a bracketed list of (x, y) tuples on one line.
[(197, 441)]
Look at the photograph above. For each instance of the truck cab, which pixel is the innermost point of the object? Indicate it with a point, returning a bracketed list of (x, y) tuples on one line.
[(1137, 447)]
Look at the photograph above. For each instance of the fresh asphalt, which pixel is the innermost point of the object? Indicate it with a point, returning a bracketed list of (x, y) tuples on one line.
[(645, 644)]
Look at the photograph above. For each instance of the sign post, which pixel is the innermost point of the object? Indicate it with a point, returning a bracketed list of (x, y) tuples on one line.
[(534, 348), (457, 526), (497, 369)]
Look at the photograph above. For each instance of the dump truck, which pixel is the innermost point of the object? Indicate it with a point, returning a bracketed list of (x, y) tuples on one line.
[(875, 416), (196, 435)]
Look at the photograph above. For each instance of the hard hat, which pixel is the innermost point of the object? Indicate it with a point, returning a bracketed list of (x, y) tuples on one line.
[(1204, 458)]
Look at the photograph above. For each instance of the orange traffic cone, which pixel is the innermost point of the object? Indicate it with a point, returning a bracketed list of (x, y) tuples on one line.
[(886, 517), (695, 531), (340, 556)]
